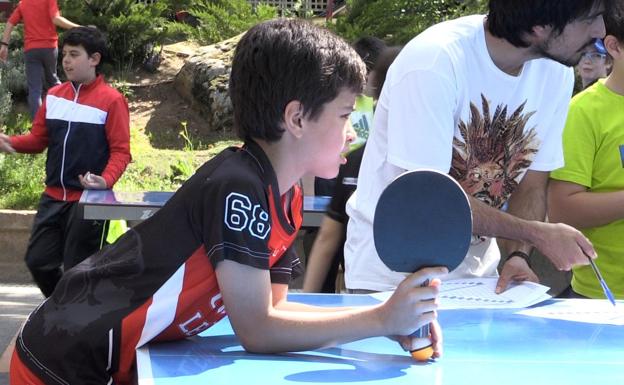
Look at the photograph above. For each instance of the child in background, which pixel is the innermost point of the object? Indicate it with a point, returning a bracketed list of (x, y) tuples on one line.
[(588, 191), (85, 126), (595, 64), (327, 252)]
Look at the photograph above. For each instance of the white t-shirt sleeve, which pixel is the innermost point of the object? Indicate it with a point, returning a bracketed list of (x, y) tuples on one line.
[(550, 154), (421, 107)]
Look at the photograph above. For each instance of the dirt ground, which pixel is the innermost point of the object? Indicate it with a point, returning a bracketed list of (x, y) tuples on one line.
[(157, 108)]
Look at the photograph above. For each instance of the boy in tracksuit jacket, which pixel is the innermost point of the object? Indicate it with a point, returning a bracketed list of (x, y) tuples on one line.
[(84, 124)]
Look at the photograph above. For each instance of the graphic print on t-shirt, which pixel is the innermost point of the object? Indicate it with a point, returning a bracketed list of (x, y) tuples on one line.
[(494, 152)]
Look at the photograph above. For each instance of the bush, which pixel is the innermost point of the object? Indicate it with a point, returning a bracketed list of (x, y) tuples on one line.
[(22, 175), (398, 21), (218, 20), (132, 28), (5, 100)]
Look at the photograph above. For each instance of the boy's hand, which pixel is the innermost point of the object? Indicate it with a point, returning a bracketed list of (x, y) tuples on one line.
[(412, 306), (5, 144), (409, 343), (4, 53), (92, 182)]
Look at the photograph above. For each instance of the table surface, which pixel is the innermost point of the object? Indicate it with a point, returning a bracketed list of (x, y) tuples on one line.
[(109, 204), (481, 347)]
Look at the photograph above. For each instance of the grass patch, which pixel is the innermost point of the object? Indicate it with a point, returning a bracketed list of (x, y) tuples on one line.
[(151, 169)]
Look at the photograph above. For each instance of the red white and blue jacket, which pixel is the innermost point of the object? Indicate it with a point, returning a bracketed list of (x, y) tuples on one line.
[(86, 127)]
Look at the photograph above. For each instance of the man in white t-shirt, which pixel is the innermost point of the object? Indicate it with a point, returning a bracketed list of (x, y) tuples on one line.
[(483, 98)]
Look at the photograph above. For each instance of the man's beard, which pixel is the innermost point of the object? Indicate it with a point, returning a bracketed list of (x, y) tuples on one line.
[(543, 51)]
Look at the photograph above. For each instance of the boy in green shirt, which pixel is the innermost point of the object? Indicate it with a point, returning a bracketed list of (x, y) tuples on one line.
[(588, 192)]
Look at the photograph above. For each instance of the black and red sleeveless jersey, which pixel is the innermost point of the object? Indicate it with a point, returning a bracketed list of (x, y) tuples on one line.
[(157, 282)]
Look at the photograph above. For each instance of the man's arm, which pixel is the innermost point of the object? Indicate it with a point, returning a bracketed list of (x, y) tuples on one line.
[(528, 202), (562, 244), (573, 204), (64, 23)]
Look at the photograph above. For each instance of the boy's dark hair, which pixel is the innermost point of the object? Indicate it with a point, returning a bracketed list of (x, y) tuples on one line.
[(283, 60), (512, 19), (369, 48), (614, 20), (386, 58), (90, 38)]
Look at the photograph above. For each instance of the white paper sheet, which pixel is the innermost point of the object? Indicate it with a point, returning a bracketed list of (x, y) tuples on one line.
[(478, 293), (595, 311)]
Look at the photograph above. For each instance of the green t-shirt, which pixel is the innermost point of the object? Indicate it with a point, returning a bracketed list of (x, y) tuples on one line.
[(362, 120), (593, 145)]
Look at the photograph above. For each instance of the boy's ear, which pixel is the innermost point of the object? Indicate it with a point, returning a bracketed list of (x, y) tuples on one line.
[(613, 46), (95, 58), (293, 117)]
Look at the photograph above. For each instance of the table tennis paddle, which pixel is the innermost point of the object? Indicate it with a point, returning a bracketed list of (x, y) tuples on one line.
[(422, 219)]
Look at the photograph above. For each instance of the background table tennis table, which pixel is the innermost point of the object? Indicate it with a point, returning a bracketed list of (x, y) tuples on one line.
[(481, 347), (133, 206)]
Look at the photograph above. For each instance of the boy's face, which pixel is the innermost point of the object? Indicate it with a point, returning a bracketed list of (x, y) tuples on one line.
[(78, 65), (568, 46), (329, 135)]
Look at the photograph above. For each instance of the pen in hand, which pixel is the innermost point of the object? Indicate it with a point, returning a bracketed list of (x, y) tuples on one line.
[(605, 288)]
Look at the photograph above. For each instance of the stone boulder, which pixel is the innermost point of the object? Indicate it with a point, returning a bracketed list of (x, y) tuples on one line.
[(203, 82)]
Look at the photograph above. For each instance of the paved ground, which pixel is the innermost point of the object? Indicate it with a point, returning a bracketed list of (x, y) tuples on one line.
[(16, 302)]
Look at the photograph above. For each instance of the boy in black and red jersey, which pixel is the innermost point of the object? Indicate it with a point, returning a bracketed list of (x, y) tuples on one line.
[(222, 243), (85, 126)]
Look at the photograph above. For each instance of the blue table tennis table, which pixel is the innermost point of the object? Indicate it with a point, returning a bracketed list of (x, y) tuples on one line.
[(480, 347), (136, 206)]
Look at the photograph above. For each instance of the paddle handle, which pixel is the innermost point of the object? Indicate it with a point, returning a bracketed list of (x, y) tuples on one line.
[(424, 353)]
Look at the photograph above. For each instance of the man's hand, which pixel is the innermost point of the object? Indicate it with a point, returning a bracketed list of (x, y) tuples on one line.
[(92, 182), (515, 269), (564, 245), (5, 144)]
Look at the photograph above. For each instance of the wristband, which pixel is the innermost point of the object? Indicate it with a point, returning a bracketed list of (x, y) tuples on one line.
[(520, 254), (4, 43)]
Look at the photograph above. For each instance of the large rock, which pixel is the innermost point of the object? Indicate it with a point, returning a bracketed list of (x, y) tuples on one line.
[(203, 81)]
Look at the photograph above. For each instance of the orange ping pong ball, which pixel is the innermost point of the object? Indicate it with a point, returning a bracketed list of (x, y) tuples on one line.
[(423, 354)]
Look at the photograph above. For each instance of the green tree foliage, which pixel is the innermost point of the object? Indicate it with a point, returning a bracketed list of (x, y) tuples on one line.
[(5, 99), (218, 20), (133, 28), (21, 175), (397, 21)]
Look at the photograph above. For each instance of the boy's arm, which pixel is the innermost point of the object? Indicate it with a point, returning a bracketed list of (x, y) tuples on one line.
[(64, 23), (573, 204), (261, 327), (118, 136), (15, 18), (6, 38), (323, 251), (37, 139), (57, 19), (570, 199)]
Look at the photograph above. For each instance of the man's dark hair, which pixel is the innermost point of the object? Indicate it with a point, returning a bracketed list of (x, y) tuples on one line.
[(513, 19), (614, 20), (369, 48), (283, 60), (90, 38)]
